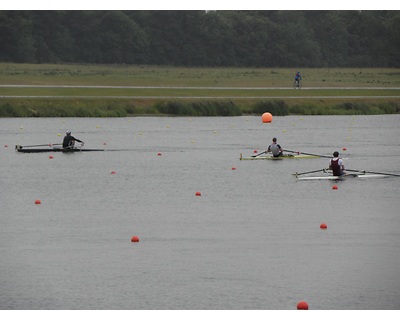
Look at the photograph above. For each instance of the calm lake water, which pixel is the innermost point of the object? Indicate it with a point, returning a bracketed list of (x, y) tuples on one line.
[(251, 241)]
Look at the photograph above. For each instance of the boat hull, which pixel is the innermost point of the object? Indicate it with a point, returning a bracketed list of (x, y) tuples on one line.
[(344, 177), (41, 150), (286, 156)]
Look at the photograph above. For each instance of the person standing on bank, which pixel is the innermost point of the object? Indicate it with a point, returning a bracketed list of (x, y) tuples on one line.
[(336, 165), (69, 141), (275, 148)]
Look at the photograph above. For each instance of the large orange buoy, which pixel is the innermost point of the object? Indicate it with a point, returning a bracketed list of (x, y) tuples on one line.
[(135, 239), (198, 194), (334, 187), (302, 305), (266, 117), (323, 226)]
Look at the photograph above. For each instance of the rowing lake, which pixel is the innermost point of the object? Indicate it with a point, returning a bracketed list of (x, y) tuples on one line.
[(251, 241)]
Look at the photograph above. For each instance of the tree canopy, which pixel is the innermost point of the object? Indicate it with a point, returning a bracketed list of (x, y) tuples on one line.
[(203, 38)]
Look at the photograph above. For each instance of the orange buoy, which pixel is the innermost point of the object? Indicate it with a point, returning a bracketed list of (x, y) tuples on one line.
[(323, 226), (334, 187), (51, 157), (198, 194), (135, 239), (266, 117), (302, 305), (37, 201)]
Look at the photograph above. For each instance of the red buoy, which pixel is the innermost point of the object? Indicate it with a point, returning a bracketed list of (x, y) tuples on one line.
[(5, 146), (334, 187), (344, 149), (266, 117), (37, 201), (255, 151), (323, 226), (113, 172), (198, 194), (302, 305), (159, 154), (51, 157), (135, 239), (233, 168)]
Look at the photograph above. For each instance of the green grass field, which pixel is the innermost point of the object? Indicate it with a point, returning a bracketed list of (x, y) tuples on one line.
[(119, 90)]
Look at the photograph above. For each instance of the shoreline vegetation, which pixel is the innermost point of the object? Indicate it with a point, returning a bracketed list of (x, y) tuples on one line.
[(44, 90)]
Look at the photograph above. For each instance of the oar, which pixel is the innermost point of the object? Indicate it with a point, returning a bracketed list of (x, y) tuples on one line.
[(259, 154), (298, 174), (383, 173), (309, 154)]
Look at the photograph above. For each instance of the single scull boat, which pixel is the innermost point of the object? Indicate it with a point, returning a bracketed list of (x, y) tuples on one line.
[(343, 177), (39, 150), (285, 156)]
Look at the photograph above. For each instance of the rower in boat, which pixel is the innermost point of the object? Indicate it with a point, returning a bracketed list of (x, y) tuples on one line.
[(69, 141), (336, 165), (275, 148)]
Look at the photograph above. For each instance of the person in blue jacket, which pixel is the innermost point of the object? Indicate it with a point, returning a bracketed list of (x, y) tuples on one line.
[(297, 78)]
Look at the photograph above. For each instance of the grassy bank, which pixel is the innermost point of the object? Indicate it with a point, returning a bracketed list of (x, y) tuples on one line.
[(28, 90), (124, 108)]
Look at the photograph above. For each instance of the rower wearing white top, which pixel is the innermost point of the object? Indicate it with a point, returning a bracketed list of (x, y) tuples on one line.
[(275, 148), (336, 165)]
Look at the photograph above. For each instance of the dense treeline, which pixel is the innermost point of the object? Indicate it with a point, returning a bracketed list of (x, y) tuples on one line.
[(200, 38)]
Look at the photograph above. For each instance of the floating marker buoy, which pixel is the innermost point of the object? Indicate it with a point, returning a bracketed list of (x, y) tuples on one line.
[(5, 146), (233, 168), (255, 151), (113, 172), (51, 157), (302, 305), (344, 149), (159, 154), (37, 201), (104, 143), (323, 226), (135, 239), (198, 194), (266, 117), (334, 187)]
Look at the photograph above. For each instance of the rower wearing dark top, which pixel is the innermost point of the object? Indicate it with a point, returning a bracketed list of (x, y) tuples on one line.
[(69, 141), (336, 165)]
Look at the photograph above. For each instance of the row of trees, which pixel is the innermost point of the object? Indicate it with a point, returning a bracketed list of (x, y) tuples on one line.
[(201, 38)]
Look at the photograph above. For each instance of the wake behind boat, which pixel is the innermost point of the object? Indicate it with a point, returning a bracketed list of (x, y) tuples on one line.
[(51, 148)]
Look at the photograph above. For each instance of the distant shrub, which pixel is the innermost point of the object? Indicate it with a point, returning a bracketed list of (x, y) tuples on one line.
[(275, 107)]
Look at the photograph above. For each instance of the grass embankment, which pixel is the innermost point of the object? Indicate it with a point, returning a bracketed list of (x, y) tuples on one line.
[(147, 90)]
